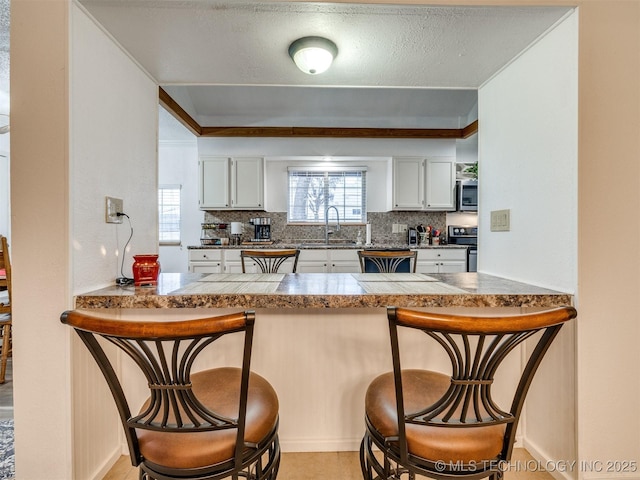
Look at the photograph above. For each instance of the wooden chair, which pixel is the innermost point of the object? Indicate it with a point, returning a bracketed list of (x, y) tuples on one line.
[(269, 261), (212, 424), (5, 308), (387, 261), (450, 425)]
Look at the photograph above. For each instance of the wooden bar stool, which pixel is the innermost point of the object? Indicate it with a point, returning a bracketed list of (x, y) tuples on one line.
[(270, 261), (450, 425), (5, 307), (210, 424), (387, 261)]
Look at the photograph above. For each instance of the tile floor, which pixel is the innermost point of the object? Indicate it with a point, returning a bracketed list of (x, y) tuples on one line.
[(331, 465)]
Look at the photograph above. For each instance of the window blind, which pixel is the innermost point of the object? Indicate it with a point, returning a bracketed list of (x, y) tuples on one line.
[(169, 214), (313, 189)]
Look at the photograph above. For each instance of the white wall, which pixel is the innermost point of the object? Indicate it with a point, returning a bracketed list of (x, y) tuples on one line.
[(113, 152), (178, 165), (528, 164)]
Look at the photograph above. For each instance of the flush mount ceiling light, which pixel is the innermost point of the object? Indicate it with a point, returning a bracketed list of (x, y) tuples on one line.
[(313, 55)]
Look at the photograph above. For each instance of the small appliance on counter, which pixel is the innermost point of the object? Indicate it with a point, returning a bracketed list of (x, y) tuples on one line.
[(466, 235), (412, 236), (262, 229)]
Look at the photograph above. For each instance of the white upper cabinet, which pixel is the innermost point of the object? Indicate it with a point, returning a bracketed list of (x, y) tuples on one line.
[(408, 183), (424, 183), (227, 183), (440, 183)]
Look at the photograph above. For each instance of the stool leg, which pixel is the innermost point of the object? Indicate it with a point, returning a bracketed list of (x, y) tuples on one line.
[(6, 345)]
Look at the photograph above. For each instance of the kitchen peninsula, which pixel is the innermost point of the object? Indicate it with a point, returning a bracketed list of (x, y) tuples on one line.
[(320, 339), (317, 290)]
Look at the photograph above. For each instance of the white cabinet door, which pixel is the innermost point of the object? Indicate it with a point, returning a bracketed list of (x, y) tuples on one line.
[(344, 261), (440, 183), (313, 261), (205, 267), (227, 183), (247, 182), (408, 183), (442, 260), (233, 264), (214, 183), (205, 261)]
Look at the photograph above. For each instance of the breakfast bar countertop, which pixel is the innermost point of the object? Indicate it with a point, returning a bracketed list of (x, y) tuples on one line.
[(324, 290)]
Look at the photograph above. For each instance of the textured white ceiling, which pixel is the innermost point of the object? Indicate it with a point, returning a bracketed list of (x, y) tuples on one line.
[(226, 62)]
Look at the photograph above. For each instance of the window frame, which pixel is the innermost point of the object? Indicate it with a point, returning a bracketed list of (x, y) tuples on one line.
[(162, 203), (326, 173)]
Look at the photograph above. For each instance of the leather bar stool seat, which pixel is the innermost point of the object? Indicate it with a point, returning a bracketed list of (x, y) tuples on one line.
[(219, 390), (450, 445)]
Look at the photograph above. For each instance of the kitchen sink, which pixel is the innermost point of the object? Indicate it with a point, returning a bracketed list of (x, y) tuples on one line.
[(330, 244)]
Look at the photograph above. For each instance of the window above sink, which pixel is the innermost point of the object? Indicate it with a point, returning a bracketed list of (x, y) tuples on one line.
[(315, 188)]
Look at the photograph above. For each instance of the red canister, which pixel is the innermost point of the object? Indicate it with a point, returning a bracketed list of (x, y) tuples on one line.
[(145, 269)]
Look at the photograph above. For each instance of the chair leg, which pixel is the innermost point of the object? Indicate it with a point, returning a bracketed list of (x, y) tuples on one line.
[(6, 345)]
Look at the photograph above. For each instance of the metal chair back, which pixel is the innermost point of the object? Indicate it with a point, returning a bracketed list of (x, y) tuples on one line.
[(387, 261), (270, 261)]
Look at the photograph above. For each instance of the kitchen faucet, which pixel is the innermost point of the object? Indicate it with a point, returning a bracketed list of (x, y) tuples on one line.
[(326, 222)]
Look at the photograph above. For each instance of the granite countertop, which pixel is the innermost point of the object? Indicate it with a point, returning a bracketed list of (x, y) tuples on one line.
[(320, 245), (324, 290)]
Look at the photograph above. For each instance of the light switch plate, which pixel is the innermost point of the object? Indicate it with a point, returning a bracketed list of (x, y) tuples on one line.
[(501, 220), (112, 208)]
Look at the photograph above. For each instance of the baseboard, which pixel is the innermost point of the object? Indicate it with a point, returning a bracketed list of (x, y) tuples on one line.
[(320, 445), (108, 464), (558, 469)]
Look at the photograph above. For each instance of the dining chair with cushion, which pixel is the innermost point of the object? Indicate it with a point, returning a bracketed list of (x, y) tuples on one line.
[(5, 307), (450, 425), (387, 261), (270, 261), (210, 424)]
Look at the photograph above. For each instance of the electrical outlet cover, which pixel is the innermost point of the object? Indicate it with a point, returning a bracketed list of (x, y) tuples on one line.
[(113, 207)]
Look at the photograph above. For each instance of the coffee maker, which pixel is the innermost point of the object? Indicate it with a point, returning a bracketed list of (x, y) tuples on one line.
[(262, 229)]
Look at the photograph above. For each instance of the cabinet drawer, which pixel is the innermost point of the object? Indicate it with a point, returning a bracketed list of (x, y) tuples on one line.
[(442, 254), (205, 255)]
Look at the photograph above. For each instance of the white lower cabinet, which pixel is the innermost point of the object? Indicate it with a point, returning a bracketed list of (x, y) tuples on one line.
[(217, 260), (328, 261), (205, 261), (233, 264), (313, 261), (430, 260), (344, 261), (442, 260)]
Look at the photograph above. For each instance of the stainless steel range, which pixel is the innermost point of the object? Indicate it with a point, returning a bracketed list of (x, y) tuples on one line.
[(466, 235)]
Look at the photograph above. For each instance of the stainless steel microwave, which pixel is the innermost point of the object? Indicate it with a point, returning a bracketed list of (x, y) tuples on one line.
[(467, 195)]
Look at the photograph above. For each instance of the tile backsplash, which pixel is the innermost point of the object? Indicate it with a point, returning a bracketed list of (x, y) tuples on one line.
[(381, 225)]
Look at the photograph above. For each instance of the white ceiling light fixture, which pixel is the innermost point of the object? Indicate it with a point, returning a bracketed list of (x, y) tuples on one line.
[(313, 55)]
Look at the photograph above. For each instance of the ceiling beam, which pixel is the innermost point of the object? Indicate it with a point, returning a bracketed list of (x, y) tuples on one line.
[(178, 112), (470, 129), (307, 132), (331, 132)]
